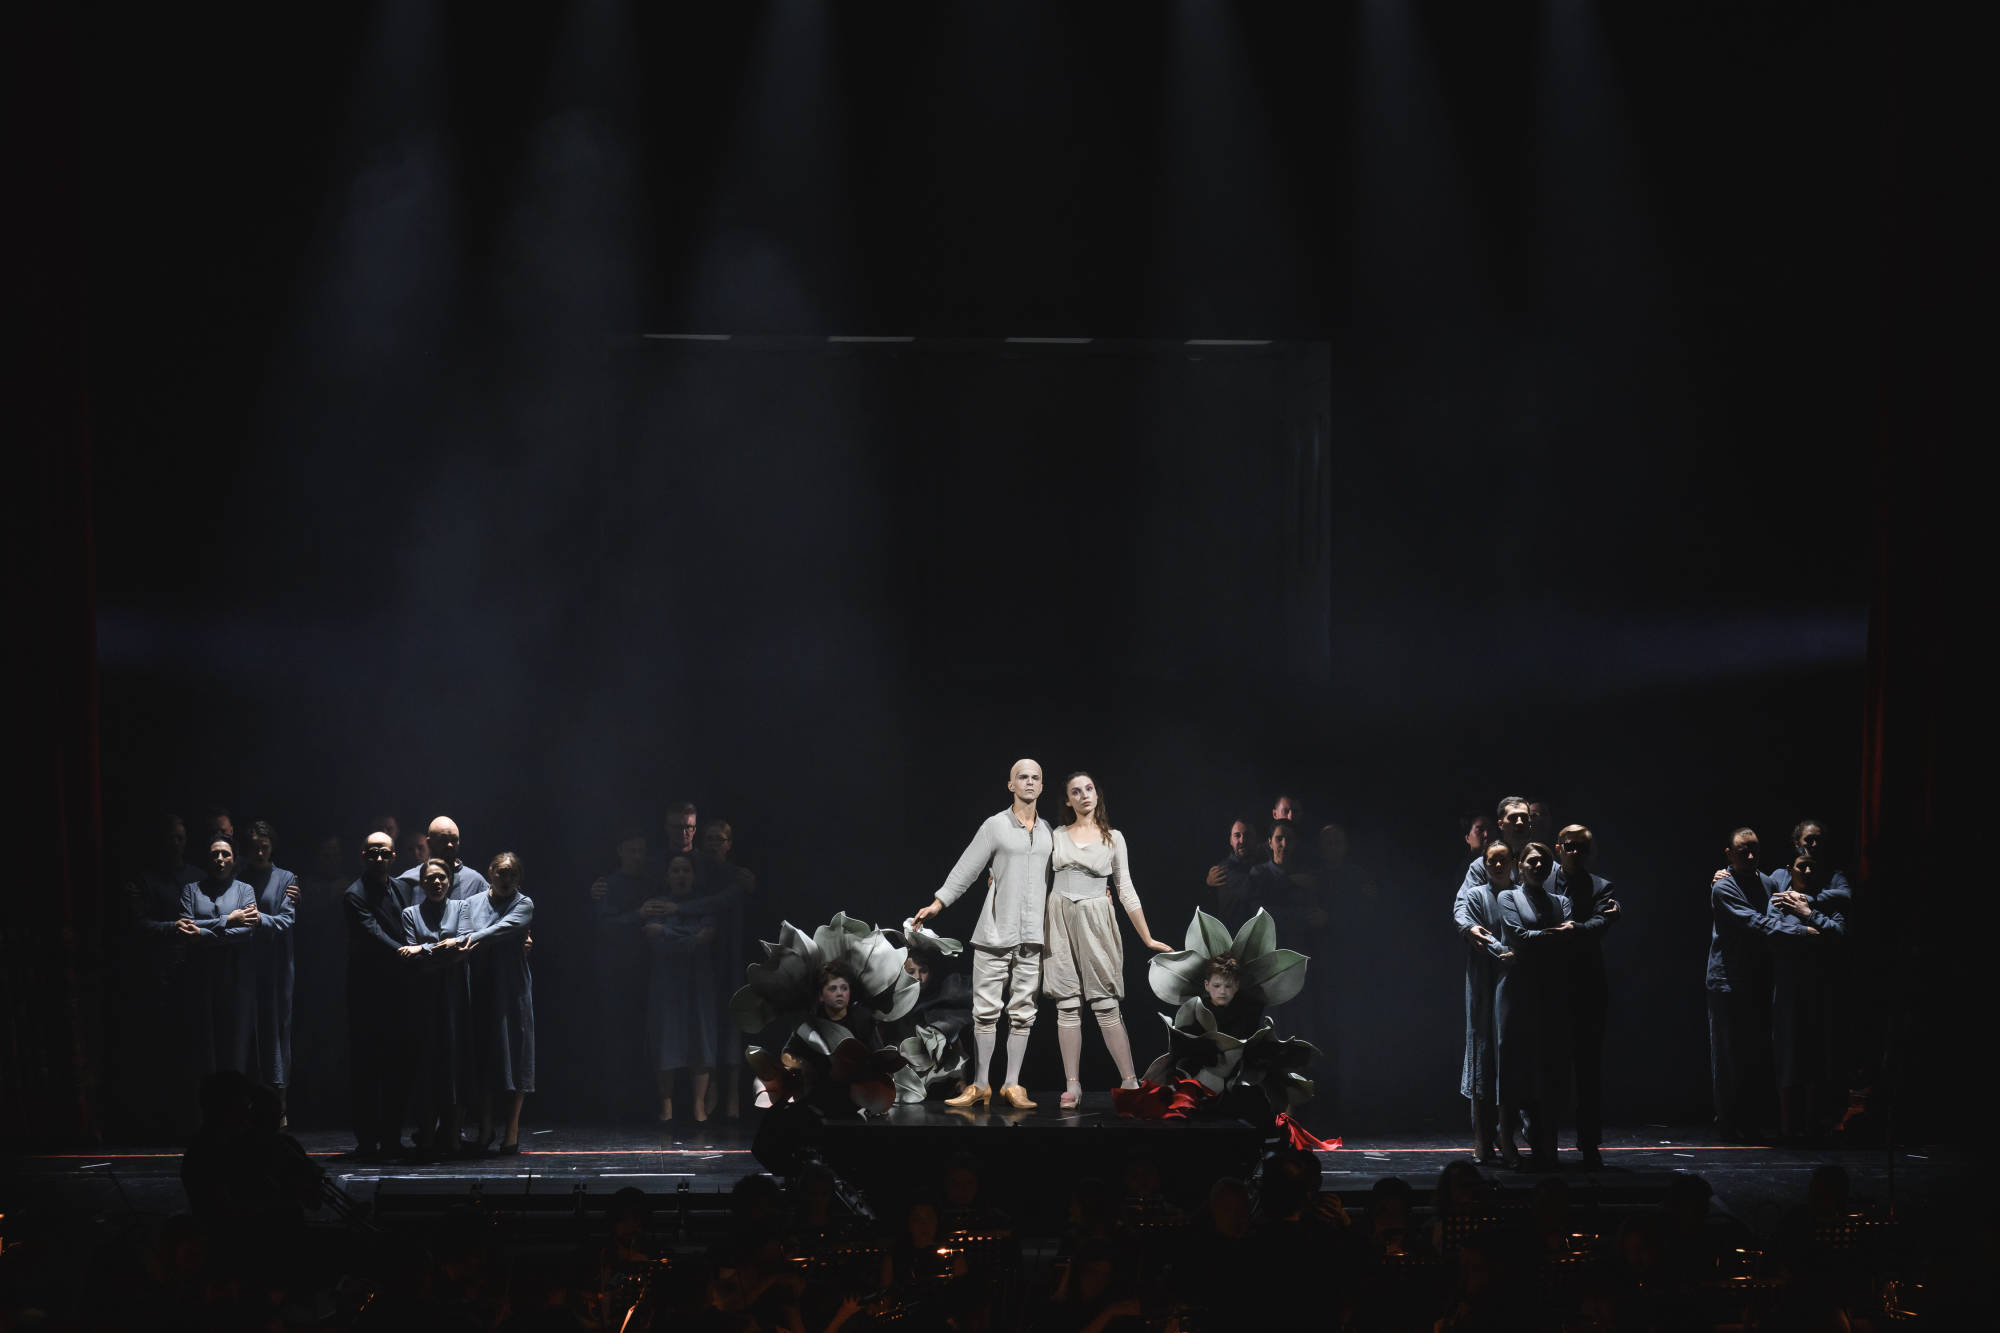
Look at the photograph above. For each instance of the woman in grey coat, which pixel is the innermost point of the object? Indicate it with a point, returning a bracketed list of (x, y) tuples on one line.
[(503, 997), (1476, 913)]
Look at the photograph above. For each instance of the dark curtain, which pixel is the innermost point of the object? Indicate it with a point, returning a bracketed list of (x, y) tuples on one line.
[(52, 930), (1924, 735)]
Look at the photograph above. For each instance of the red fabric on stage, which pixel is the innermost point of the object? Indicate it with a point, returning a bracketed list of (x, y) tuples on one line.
[(1304, 1138), (1148, 1101)]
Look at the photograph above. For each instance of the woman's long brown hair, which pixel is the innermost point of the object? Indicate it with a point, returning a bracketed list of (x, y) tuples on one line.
[(1098, 816)]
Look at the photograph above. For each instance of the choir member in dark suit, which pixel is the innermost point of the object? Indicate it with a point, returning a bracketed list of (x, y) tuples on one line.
[(1531, 1009), (1272, 883), (274, 956), (443, 1072), (1514, 817), (1745, 928), (1594, 911), (219, 917), (503, 997), (1230, 877), (379, 1006)]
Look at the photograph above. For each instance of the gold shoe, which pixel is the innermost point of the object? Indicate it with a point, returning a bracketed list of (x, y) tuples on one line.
[(972, 1096), (1016, 1096)]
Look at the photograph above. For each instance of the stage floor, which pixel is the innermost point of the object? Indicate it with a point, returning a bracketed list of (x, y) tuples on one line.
[(706, 1159)]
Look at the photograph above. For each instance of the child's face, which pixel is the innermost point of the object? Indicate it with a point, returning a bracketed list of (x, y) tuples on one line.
[(1221, 988)]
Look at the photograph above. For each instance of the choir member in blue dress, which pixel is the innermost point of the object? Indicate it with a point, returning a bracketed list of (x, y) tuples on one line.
[(1476, 914), (274, 956), (221, 915), (441, 843), (159, 1084), (503, 998), (1802, 1026), (1834, 895), (726, 891), (379, 1004), (1745, 928), (618, 968), (680, 991), (1594, 911), (443, 1068), (1531, 1008)]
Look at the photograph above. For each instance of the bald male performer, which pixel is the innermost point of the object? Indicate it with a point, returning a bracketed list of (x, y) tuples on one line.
[(1007, 945), (442, 841)]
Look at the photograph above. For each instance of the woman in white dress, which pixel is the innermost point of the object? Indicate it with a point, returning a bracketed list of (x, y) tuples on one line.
[(1085, 959)]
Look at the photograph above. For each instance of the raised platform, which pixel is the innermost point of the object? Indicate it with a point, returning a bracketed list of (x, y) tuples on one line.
[(575, 1169)]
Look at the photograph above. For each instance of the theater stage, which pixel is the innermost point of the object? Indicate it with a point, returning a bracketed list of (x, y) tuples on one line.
[(570, 1172)]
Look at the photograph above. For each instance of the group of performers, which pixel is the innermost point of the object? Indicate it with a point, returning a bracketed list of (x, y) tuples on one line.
[(1534, 919), (855, 1017), (440, 992), (869, 1018)]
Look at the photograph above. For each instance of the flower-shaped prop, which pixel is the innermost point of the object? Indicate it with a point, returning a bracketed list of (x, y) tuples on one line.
[(922, 939), (1277, 974), (930, 1059), (942, 1011), (1216, 1051), (785, 989), (785, 986), (868, 1079)]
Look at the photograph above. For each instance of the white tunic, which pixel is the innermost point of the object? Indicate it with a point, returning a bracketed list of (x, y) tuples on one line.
[(1019, 858), (1083, 872)]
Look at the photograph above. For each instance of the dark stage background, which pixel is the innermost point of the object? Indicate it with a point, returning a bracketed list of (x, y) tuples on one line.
[(1545, 470)]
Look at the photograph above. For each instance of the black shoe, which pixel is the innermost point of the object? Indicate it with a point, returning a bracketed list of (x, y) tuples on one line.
[(507, 1150), (1510, 1158), (1592, 1159)]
